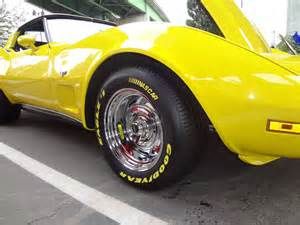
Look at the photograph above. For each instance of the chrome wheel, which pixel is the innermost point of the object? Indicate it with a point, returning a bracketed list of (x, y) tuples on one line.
[(133, 130)]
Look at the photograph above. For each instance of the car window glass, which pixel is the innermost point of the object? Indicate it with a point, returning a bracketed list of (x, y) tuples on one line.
[(40, 36), (71, 31)]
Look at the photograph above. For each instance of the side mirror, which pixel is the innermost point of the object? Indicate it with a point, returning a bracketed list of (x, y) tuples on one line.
[(27, 41)]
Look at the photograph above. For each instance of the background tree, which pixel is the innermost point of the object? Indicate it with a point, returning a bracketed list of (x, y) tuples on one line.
[(200, 18), (9, 21)]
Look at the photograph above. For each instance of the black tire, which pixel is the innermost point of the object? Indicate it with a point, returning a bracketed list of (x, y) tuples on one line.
[(183, 138), (8, 112)]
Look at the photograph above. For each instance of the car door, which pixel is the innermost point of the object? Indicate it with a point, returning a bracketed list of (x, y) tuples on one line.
[(28, 76), (70, 61)]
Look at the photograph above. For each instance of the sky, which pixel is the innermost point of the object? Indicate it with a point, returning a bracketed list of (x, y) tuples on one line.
[(269, 16), (174, 9)]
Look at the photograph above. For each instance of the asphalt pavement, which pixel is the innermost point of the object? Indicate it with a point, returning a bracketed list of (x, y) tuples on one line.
[(221, 190)]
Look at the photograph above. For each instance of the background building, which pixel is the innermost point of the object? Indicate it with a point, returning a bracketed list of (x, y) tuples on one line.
[(123, 11), (293, 16)]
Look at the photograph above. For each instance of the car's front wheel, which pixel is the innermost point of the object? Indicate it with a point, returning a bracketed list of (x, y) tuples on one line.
[(146, 128)]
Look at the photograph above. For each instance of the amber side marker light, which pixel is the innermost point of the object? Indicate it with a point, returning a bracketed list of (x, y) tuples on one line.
[(283, 127)]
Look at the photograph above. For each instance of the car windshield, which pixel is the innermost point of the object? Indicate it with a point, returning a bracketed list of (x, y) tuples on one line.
[(71, 31)]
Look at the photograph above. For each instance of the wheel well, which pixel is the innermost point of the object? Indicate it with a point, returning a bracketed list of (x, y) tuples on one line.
[(133, 59)]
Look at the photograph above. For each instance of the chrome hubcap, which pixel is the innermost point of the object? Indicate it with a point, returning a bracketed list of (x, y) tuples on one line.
[(133, 130)]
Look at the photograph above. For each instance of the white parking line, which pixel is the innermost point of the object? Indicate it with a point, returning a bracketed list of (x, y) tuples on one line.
[(100, 202)]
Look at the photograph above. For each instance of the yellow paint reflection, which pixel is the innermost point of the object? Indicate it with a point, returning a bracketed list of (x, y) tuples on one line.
[(232, 79), (272, 78)]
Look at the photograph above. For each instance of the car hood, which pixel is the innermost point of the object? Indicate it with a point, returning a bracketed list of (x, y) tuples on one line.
[(290, 62), (235, 26)]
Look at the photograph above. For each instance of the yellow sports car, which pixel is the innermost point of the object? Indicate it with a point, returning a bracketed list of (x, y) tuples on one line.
[(151, 91)]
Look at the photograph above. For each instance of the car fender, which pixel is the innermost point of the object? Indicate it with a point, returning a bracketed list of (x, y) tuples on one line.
[(4, 66), (238, 89)]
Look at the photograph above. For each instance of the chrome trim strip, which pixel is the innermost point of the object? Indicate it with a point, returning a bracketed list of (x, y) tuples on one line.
[(49, 112), (47, 32)]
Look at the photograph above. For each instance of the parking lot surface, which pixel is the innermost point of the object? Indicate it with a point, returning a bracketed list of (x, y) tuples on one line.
[(221, 190)]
